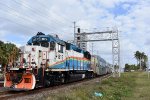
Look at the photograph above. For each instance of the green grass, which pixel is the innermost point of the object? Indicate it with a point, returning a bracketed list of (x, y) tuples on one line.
[(130, 86), (1, 75)]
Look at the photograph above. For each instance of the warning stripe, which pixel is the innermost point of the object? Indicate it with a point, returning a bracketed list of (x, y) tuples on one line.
[(69, 58)]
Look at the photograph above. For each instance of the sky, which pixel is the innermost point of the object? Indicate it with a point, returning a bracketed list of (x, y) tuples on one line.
[(21, 19)]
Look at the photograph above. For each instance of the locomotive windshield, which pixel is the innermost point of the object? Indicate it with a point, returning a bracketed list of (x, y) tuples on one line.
[(40, 41)]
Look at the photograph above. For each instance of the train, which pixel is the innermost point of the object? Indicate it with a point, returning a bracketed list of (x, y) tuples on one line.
[(47, 60), (100, 66)]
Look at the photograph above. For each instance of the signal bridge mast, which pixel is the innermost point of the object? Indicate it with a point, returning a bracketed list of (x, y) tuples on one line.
[(81, 40)]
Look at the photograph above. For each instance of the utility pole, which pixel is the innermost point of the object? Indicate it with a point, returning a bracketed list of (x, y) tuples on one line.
[(92, 48), (74, 23), (113, 62)]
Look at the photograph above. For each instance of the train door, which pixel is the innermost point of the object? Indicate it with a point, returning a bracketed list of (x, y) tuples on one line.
[(52, 54), (60, 55), (41, 67)]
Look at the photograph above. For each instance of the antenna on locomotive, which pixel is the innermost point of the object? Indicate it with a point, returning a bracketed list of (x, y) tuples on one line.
[(40, 33)]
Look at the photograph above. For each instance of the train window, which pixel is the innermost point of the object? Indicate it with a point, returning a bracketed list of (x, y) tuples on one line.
[(52, 45), (44, 44), (40, 53), (34, 39), (36, 43), (29, 44), (24, 60), (84, 54), (60, 48), (87, 55), (67, 46), (27, 80)]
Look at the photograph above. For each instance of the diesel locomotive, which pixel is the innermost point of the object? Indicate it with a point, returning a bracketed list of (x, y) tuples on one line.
[(47, 60)]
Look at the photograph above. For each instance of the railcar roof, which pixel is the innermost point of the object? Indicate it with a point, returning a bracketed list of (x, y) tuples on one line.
[(99, 58)]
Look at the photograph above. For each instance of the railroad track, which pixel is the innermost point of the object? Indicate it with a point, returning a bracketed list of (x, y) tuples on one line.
[(6, 94)]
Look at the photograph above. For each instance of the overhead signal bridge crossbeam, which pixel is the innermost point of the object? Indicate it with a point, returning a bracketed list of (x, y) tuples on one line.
[(112, 36)]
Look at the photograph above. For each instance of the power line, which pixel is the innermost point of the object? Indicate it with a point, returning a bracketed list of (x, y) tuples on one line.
[(24, 17), (74, 23), (55, 13), (92, 48), (29, 18), (20, 17), (38, 12)]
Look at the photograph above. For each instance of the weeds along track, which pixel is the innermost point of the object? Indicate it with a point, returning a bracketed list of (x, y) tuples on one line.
[(38, 93)]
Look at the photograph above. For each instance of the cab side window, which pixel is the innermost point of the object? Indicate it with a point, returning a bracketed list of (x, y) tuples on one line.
[(60, 48), (52, 45)]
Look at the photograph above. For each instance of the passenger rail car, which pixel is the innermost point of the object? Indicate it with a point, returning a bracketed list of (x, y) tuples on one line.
[(100, 66)]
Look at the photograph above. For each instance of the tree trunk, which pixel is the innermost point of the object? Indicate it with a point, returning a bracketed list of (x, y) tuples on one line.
[(140, 63)]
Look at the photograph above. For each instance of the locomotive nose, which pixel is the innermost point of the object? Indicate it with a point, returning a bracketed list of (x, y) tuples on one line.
[(19, 81), (16, 78)]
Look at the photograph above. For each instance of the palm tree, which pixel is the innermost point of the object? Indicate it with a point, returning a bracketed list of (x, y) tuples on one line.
[(145, 60), (141, 59), (137, 56)]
